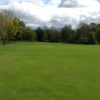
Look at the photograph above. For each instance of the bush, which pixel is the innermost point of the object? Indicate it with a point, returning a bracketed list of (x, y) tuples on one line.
[(82, 40), (91, 38)]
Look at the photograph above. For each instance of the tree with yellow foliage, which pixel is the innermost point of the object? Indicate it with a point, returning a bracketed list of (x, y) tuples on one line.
[(13, 28)]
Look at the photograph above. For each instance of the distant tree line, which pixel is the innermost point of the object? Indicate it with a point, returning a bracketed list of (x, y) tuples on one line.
[(12, 29)]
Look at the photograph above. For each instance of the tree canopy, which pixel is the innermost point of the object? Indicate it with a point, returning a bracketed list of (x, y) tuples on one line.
[(13, 29)]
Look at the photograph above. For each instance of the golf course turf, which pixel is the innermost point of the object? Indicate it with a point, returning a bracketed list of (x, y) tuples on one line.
[(49, 71)]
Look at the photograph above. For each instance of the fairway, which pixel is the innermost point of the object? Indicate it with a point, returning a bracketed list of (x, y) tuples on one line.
[(49, 71)]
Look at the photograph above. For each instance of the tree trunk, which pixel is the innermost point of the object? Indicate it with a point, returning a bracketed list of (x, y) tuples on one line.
[(3, 42)]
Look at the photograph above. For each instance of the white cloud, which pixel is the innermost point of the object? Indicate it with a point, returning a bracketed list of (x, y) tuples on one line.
[(54, 12)]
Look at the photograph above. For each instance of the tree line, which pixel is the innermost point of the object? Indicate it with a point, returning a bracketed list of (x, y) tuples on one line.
[(12, 29)]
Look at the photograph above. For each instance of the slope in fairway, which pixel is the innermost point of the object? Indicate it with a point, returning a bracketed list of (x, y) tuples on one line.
[(47, 71)]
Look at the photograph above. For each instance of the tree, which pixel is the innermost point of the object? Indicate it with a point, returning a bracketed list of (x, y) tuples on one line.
[(82, 33), (91, 38), (13, 28), (28, 35), (5, 18), (93, 27), (40, 34), (7, 14), (74, 36), (84, 30), (3, 29), (53, 34), (82, 40), (21, 30), (66, 34), (98, 35)]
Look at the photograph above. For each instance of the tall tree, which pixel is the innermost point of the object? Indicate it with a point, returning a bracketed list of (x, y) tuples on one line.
[(5, 18), (13, 28), (41, 35), (98, 35), (28, 35), (93, 27), (20, 33), (66, 34), (84, 30)]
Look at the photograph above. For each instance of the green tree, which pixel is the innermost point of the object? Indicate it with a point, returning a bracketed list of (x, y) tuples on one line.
[(98, 35), (28, 35), (85, 29), (5, 18), (20, 32), (40, 34), (94, 27), (74, 36), (13, 28), (3, 29), (91, 38), (82, 40), (66, 34), (82, 33)]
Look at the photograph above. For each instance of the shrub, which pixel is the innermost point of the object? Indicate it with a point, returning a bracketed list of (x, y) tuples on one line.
[(91, 38)]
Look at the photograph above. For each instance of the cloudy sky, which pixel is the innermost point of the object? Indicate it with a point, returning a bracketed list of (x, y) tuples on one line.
[(42, 13)]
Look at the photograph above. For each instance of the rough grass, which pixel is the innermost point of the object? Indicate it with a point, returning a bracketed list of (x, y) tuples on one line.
[(47, 71)]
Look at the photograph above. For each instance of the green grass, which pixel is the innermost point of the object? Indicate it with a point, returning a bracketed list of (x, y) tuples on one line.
[(47, 71)]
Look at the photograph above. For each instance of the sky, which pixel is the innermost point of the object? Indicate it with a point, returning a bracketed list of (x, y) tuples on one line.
[(57, 13)]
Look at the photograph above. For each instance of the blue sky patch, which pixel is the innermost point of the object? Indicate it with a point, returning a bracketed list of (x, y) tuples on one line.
[(4, 3)]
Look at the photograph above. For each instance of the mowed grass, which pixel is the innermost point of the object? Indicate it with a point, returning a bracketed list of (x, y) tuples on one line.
[(49, 71)]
